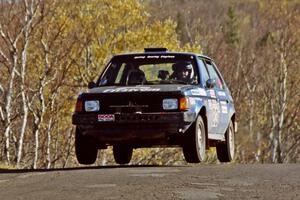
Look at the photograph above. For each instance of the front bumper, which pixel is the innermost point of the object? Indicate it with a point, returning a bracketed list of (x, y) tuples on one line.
[(131, 126), (123, 118)]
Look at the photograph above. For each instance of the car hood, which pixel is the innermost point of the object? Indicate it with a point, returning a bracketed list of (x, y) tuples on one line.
[(174, 88)]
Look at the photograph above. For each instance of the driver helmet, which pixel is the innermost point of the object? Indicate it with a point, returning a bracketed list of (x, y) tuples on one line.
[(183, 71)]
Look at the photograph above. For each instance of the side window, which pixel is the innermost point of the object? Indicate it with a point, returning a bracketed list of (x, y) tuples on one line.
[(203, 70), (109, 75), (214, 75)]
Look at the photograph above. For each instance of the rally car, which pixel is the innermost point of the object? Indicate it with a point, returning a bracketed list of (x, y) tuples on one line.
[(156, 98)]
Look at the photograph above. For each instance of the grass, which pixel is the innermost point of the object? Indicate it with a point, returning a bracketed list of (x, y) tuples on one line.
[(6, 166)]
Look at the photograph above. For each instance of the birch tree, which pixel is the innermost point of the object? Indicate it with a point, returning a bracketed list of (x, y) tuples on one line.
[(16, 24), (282, 54)]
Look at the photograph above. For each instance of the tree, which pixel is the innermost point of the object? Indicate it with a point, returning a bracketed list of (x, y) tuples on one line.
[(18, 20), (231, 31), (49, 51), (256, 46)]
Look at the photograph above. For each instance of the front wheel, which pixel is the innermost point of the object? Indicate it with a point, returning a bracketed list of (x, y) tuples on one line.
[(122, 154), (85, 149), (194, 149), (226, 150)]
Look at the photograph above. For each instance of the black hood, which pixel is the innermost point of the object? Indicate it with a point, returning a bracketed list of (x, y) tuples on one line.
[(172, 88)]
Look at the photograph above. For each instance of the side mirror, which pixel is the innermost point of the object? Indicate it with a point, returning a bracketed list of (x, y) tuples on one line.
[(91, 85), (210, 83)]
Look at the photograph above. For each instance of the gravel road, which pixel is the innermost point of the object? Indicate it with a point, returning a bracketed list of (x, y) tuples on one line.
[(226, 181)]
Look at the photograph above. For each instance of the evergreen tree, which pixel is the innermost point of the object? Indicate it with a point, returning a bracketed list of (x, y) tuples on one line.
[(231, 31)]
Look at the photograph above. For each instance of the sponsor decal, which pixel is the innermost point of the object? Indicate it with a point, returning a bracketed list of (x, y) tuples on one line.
[(132, 89), (192, 101), (106, 118), (209, 103), (139, 57), (167, 56), (221, 93), (198, 91), (215, 110), (155, 56), (223, 102), (212, 93), (224, 109), (200, 99)]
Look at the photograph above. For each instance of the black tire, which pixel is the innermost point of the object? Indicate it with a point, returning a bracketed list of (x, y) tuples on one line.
[(122, 154), (226, 150), (194, 149), (85, 149)]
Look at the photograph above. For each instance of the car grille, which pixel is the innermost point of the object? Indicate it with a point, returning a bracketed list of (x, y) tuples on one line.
[(131, 102)]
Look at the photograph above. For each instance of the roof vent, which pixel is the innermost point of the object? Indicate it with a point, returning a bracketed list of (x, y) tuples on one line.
[(155, 49)]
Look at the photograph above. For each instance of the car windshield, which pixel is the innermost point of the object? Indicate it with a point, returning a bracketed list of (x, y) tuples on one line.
[(150, 69)]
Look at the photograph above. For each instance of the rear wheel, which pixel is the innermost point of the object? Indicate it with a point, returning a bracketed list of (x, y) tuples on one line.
[(226, 150), (85, 149), (122, 154), (194, 149)]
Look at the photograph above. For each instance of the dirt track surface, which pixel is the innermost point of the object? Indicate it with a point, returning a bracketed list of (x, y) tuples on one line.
[(154, 182)]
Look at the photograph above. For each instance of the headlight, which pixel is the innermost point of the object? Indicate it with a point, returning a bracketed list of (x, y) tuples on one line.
[(91, 106), (170, 104)]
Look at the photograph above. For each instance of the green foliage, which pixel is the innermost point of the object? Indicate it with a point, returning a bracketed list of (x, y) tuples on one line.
[(256, 46), (68, 47), (71, 41), (231, 31)]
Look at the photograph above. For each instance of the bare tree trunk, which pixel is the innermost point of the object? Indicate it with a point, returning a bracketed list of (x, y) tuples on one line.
[(282, 104), (69, 147), (8, 108), (56, 150), (16, 42), (188, 32), (2, 117), (239, 63), (23, 93), (38, 122), (273, 143), (29, 12), (251, 113), (7, 141), (277, 139), (36, 148), (251, 87), (50, 123), (39, 118), (274, 148)]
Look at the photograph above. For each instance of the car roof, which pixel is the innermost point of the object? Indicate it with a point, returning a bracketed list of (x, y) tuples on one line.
[(164, 53)]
